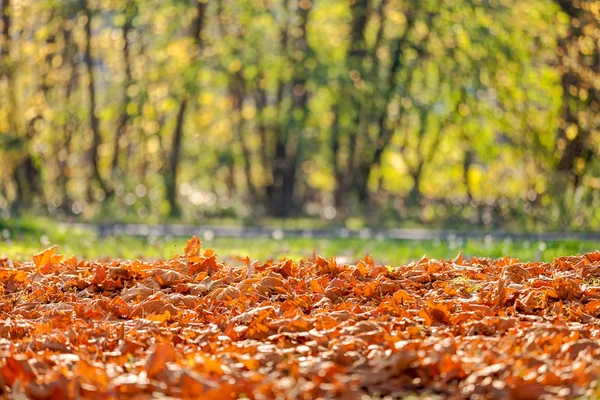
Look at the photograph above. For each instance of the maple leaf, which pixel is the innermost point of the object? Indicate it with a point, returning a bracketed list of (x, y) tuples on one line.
[(271, 283), (166, 277), (16, 369), (161, 354), (192, 249), (92, 374), (439, 313), (153, 307), (197, 387), (46, 257), (99, 275), (316, 327), (501, 293), (165, 316)]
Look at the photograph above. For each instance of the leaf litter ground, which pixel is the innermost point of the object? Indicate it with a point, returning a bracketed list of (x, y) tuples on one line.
[(193, 327)]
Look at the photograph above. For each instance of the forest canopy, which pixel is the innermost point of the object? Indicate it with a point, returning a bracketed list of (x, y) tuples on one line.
[(476, 110)]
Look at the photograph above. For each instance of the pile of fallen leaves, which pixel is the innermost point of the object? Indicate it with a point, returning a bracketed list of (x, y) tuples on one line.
[(193, 327)]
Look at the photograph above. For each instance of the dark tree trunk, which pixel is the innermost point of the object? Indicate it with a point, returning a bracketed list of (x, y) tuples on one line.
[(415, 195), (237, 92), (198, 23), (345, 168), (65, 171), (124, 117), (575, 148), (175, 155), (573, 145), (358, 51), (93, 118), (281, 191), (69, 127), (288, 145), (260, 98), (6, 69), (27, 178), (174, 160), (365, 152), (372, 155), (6, 22), (340, 194), (467, 162), (26, 175)]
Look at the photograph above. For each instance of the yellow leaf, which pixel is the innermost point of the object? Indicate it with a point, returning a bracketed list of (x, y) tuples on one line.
[(165, 316)]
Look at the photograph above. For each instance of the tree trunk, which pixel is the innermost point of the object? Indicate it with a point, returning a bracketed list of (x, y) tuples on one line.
[(6, 68), (175, 155), (174, 159), (366, 153), (288, 147), (26, 174), (69, 126), (93, 118), (27, 178), (573, 145), (5, 38), (64, 171), (574, 148), (467, 162), (341, 175), (281, 190), (372, 155), (237, 91), (124, 117), (414, 196), (351, 90)]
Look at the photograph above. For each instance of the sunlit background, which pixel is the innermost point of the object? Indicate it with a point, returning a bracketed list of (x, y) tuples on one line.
[(442, 113)]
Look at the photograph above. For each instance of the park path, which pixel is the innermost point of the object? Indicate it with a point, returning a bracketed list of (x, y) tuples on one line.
[(210, 232)]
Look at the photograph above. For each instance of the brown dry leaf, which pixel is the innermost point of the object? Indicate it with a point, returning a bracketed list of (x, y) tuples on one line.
[(162, 354), (99, 275), (46, 257), (516, 273), (192, 249), (119, 307), (167, 277), (17, 369), (193, 327), (438, 312), (92, 374), (593, 308), (501, 293), (229, 293), (269, 284), (593, 257), (197, 387), (153, 307), (402, 297), (71, 262)]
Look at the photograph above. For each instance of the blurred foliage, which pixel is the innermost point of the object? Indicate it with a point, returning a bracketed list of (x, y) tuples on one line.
[(462, 111)]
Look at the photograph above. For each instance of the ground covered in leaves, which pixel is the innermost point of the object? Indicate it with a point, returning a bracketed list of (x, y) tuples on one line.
[(193, 327)]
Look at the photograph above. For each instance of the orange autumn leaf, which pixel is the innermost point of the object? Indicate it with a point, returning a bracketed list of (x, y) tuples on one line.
[(160, 318), (192, 249), (166, 277), (162, 354), (92, 374), (438, 312), (197, 387), (196, 327), (99, 275), (46, 257)]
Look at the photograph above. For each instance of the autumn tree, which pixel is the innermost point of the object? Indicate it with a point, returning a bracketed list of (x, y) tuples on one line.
[(579, 66)]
